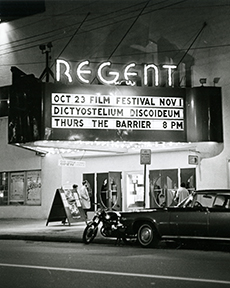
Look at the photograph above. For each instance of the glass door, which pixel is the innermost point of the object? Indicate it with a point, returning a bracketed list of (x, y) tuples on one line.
[(91, 188), (188, 176), (163, 184), (109, 190), (135, 190)]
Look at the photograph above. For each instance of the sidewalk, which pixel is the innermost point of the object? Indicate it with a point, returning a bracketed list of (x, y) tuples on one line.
[(36, 230)]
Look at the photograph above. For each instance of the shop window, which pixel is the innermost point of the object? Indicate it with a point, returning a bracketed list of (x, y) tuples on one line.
[(135, 190), (3, 188), (164, 184), (20, 188), (33, 188), (17, 188)]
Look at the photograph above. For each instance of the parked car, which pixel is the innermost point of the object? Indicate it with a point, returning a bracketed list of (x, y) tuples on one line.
[(204, 214)]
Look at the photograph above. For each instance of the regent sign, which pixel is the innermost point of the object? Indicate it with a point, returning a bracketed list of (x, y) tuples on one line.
[(107, 76), (129, 113)]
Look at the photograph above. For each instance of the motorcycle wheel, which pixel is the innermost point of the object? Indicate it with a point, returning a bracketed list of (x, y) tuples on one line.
[(90, 233)]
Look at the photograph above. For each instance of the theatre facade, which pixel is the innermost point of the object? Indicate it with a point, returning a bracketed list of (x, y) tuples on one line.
[(135, 129), (134, 144)]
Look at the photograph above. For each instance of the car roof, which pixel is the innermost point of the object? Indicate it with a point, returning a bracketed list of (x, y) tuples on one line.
[(214, 191)]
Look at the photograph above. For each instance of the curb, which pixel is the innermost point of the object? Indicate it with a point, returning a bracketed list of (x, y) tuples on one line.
[(50, 238)]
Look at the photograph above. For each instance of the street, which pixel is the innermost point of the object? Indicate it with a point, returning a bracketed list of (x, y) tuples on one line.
[(48, 264)]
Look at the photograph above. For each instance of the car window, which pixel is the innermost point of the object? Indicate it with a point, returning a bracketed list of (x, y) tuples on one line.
[(219, 201), (206, 200), (228, 203), (222, 201)]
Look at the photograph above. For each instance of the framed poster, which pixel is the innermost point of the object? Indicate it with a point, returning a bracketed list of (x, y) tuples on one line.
[(17, 187), (33, 188)]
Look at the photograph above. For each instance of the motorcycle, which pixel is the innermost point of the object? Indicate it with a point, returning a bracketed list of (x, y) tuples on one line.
[(111, 225)]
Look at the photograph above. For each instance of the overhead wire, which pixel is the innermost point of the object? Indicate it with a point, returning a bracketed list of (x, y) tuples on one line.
[(190, 46), (57, 37), (69, 26), (140, 14), (73, 35), (85, 31), (42, 20), (131, 26)]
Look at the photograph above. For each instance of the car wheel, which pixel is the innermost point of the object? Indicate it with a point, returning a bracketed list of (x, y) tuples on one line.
[(147, 236)]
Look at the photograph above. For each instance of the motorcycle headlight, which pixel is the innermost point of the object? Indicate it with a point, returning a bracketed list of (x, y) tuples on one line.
[(107, 216)]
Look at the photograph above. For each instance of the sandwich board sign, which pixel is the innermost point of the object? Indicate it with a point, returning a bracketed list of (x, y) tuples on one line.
[(66, 206)]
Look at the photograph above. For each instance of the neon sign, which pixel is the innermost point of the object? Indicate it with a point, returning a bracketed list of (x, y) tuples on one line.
[(104, 73)]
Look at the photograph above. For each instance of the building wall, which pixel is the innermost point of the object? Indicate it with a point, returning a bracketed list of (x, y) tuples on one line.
[(54, 176), (15, 159)]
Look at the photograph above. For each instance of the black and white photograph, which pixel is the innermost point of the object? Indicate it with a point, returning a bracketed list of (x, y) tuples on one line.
[(114, 143)]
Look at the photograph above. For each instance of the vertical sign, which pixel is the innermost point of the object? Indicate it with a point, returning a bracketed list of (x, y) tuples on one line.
[(193, 159), (145, 156), (145, 159)]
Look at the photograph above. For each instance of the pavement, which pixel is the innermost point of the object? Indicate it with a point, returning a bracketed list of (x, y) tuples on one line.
[(37, 230)]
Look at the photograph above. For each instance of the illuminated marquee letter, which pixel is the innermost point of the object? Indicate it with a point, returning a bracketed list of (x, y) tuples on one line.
[(127, 73), (102, 79), (170, 67), (58, 70), (80, 72), (146, 68)]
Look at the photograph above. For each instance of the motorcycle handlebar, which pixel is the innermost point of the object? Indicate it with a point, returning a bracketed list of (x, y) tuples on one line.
[(98, 205)]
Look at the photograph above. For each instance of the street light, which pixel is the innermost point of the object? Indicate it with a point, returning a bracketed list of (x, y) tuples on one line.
[(203, 81), (4, 100), (216, 80)]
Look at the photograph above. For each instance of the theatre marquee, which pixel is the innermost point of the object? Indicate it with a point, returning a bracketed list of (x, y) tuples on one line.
[(47, 111)]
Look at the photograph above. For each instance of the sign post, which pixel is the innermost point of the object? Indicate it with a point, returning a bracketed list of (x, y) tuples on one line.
[(145, 159)]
